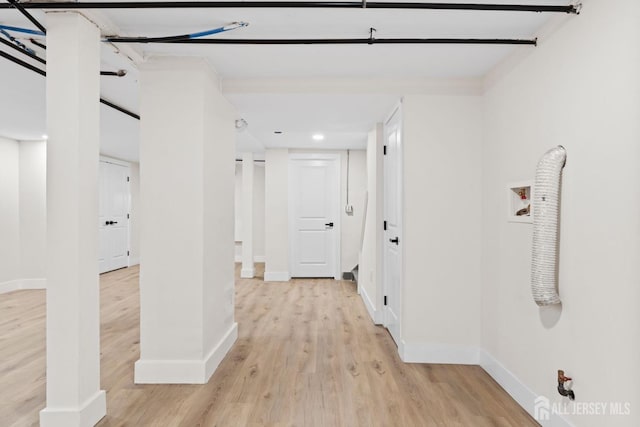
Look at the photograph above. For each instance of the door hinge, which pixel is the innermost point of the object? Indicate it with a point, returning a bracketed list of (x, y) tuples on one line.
[(127, 253), (127, 179), (384, 225), (127, 216), (385, 300), (384, 150)]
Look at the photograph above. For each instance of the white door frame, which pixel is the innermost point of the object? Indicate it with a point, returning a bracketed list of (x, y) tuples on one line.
[(128, 166), (337, 227), (396, 114)]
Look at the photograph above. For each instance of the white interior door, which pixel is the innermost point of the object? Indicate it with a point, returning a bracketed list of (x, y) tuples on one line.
[(113, 217), (314, 196), (393, 232)]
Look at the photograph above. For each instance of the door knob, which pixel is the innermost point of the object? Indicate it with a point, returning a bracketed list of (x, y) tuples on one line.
[(107, 223), (329, 225), (114, 222), (396, 241)]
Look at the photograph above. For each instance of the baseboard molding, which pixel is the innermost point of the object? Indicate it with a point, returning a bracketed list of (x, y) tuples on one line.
[(276, 276), (375, 314), (88, 414), (523, 395), (22, 284), (438, 353), (257, 258), (185, 371), (214, 358), (248, 273)]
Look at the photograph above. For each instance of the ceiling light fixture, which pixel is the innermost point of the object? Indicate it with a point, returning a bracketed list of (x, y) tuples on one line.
[(45, 136), (318, 137)]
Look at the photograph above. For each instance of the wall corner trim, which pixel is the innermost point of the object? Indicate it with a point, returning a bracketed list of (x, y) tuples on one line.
[(276, 276)]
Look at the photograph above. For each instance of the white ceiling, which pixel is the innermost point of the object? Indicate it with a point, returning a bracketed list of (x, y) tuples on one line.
[(343, 118)]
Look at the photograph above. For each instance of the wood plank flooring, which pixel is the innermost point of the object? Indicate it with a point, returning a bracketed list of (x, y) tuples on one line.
[(307, 355)]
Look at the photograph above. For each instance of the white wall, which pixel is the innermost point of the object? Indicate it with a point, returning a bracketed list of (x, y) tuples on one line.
[(33, 208), (580, 88), (370, 271), (9, 212), (442, 227), (22, 214), (134, 221), (258, 211)]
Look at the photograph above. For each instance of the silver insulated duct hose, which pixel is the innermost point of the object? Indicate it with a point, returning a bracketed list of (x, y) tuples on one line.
[(546, 201)]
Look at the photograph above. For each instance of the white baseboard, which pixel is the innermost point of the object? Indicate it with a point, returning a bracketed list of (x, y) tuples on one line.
[(256, 258), (375, 314), (214, 358), (471, 355), (248, 273), (522, 394), (276, 276), (22, 284), (88, 414), (185, 371), (438, 353)]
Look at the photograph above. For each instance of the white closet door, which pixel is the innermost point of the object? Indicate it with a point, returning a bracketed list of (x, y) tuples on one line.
[(315, 194)]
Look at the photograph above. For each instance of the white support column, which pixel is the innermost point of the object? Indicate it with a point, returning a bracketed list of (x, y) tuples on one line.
[(74, 397), (248, 269), (187, 170)]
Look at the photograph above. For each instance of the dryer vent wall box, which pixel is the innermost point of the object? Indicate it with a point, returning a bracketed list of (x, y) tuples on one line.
[(519, 196)]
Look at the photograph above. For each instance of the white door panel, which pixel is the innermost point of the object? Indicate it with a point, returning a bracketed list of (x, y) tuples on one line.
[(393, 233), (314, 190), (113, 218)]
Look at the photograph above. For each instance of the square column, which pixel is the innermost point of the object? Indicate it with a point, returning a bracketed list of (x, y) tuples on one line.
[(248, 269), (74, 397), (187, 174), (276, 215)]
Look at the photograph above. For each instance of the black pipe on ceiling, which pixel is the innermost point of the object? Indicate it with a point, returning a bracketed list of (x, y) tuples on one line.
[(44, 73), (22, 63), (297, 5), (369, 41), (34, 21), (23, 51)]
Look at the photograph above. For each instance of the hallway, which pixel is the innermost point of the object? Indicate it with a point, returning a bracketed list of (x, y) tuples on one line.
[(307, 355)]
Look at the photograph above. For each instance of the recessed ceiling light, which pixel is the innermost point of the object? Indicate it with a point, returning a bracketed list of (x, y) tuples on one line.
[(318, 137), (45, 136)]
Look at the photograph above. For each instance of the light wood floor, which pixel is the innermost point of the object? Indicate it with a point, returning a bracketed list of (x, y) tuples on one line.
[(307, 355)]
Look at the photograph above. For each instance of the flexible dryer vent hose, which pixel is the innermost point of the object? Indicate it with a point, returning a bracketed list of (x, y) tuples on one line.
[(546, 202)]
